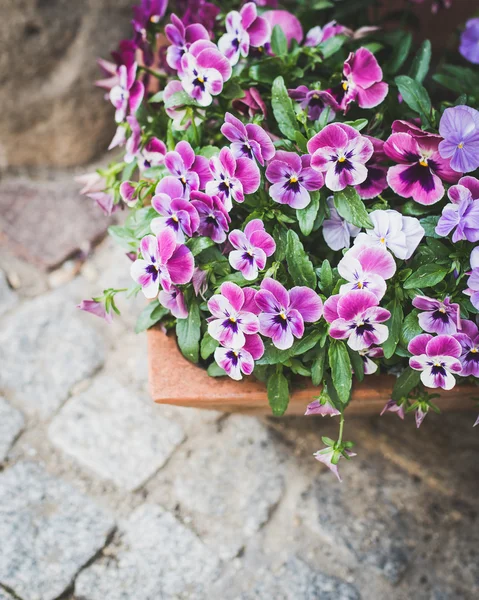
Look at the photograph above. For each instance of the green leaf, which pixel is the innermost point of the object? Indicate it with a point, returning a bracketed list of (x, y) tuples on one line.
[(302, 142), (299, 266), (410, 328), (429, 224), (150, 315), (197, 245), (209, 151), (326, 278), (124, 237), (214, 370), (232, 89), (278, 393), (180, 99), (235, 277), (305, 343), (280, 234), (208, 346), (358, 124), (341, 373), (394, 325), (283, 109), (188, 332), (356, 363), (408, 380), (128, 171), (421, 62), (426, 276), (350, 206), (331, 45), (400, 52), (414, 95), (279, 43), (307, 216), (158, 97), (272, 355), (317, 368)]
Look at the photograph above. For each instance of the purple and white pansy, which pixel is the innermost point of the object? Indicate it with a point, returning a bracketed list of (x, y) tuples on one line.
[(128, 93), (337, 232), (181, 38), (247, 141), (252, 247), (238, 361), (437, 358), (438, 316), (472, 289), (176, 213), (366, 268), (191, 171), (462, 215), (468, 337), (214, 218), (174, 301)]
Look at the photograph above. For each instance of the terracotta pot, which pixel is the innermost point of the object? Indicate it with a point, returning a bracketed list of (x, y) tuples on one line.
[(174, 380)]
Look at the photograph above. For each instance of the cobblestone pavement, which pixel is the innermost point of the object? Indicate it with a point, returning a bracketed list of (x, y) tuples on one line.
[(105, 496)]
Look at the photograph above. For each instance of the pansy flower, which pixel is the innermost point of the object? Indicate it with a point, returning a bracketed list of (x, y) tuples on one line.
[(366, 355), (251, 103), (214, 218), (356, 317), (469, 47), (199, 11), (362, 81), (317, 35), (323, 405), (315, 102), (292, 178), (376, 182), (232, 178), (252, 247), (191, 171), (438, 316), (459, 126), (421, 169), (243, 29), (97, 308), (177, 214), (238, 361), (393, 231), (181, 38), (178, 113), (394, 407), (128, 94), (203, 71), (247, 141), (340, 152), (337, 232), (437, 358), (468, 337), (289, 24), (163, 261), (231, 320), (284, 313), (174, 301), (473, 281), (366, 268), (462, 215), (151, 155), (326, 457)]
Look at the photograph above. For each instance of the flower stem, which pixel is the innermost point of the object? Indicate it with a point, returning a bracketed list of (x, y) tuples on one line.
[(152, 72), (341, 427)]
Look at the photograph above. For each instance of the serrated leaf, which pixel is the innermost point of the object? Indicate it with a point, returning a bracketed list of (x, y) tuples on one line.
[(408, 380), (414, 95), (341, 373), (307, 342), (278, 393), (357, 363), (410, 328), (197, 245), (421, 62), (326, 278), (302, 142), (150, 315), (283, 109), (280, 235), (188, 332), (331, 45), (279, 42), (307, 216), (394, 324), (426, 276), (208, 346), (317, 368), (272, 355), (350, 206), (299, 266)]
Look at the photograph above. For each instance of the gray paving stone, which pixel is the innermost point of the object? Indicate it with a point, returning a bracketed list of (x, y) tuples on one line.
[(4, 595), (158, 559), (11, 424), (115, 432), (48, 531), (294, 580), (46, 348), (229, 483), (8, 297)]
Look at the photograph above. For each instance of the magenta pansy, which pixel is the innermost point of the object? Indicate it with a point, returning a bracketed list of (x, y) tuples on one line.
[(252, 247)]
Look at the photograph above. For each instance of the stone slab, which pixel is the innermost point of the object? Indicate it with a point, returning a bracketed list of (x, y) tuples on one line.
[(48, 532), (116, 433), (8, 297), (11, 424)]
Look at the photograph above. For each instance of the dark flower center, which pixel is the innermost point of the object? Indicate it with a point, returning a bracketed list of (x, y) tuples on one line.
[(281, 319), (231, 323), (153, 271), (440, 315), (438, 369), (418, 173), (248, 256), (233, 355)]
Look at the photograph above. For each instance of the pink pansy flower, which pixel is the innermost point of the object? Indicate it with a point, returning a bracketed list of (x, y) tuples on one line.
[(128, 193), (366, 355), (421, 169), (105, 201), (376, 181), (340, 152), (366, 268), (394, 407), (177, 214), (326, 456), (238, 361), (473, 280), (191, 171), (231, 321), (289, 24), (203, 71), (214, 218), (318, 34), (362, 81), (232, 178), (356, 317), (393, 231), (284, 313), (438, 316), (337, 232), (468, 337), (251, 103), (178, 113), (252, 247), (437, 358), (292, 179), (323, 405), (128, 94), (174, 301), (199, 281), (243, 29), (181, 38), (163, 262), (96, 308), (92, 182), (314, 101), (248, 141), (110, 70), (151, 155), (462, 215)]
